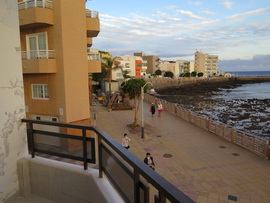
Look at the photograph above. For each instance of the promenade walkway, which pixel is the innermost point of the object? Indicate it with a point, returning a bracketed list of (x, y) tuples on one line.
[(204, 166)]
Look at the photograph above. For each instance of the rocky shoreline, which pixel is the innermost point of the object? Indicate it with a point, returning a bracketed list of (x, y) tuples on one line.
[(250, 115)]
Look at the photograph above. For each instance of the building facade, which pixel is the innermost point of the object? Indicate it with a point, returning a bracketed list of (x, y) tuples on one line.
[(185, 66), (132, 66), (206, 63), (56, 59), (171, 66), (151, 60)]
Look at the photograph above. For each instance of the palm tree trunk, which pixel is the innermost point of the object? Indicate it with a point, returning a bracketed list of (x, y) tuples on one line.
[(135, 113), (110, 83)]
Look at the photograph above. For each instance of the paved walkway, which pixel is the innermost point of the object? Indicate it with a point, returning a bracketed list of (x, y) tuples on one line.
[(202, 164)]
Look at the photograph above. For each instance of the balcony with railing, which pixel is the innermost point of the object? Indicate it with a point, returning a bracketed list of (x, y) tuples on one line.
[(89, 42), (33, 13), (102, 159), (92, 23), (94, 62), (39, 61)]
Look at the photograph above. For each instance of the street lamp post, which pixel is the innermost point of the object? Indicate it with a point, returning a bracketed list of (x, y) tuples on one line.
[(142, 115)]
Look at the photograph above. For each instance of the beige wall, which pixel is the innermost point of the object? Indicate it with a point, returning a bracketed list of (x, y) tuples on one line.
[(70, 28), (12, 109), (199, 62), (152, 63)]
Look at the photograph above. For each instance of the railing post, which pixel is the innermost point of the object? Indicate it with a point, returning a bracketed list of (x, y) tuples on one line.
[(35, 3), (136, 186), (161, 196), (99, 156), (31, 136), (85, 164)]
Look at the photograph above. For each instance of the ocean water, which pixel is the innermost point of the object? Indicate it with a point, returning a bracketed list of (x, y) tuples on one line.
[(250, 73), (246, 91)]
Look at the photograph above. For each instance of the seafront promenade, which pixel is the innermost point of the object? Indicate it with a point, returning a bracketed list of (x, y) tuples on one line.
[(204, 166)]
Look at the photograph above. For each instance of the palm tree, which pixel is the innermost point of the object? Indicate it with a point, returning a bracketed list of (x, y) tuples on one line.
[(110, 64), (133, 88)]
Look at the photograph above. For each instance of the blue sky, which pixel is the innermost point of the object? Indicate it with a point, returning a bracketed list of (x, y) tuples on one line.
[(233, 29)]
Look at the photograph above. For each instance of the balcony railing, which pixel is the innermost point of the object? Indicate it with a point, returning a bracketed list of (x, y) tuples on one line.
[(93, 56), (38, 54), (130, 176), (91, 14), (35, 4)]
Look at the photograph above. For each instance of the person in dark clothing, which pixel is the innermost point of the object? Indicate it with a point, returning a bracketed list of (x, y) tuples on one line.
[(153, 109), (148, 160)]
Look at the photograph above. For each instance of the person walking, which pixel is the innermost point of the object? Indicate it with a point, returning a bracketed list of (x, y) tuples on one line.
[(125, 141), (148, 160), (159, 108), (153, 109)]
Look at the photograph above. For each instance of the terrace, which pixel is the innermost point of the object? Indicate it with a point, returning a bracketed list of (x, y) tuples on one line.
[(101, 157)]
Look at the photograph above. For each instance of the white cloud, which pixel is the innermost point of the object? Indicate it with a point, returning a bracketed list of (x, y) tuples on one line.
[(250, 13), (227, 4), (208, 12), (195, 3), (190, 14), (177, 32)]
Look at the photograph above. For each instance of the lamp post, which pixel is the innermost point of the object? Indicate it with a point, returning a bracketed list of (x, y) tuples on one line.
[(142, 115)]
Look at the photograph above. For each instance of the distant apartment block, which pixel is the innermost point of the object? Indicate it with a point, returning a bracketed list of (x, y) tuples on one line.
[(152, 62), (206, 63), (56, 36), (171, 66), (185, 66), (133, 66)]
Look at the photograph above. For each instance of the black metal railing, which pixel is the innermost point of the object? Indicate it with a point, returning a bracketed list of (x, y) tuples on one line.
[(132, 178)]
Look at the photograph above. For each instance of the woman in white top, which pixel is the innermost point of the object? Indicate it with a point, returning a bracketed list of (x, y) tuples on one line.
[(125, 141)]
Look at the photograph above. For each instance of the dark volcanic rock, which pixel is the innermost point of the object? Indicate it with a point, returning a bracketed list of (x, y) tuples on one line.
[(251, 115)]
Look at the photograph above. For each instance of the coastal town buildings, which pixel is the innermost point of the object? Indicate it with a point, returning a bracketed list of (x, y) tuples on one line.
[(56, 36), (206, 63), (185, 66), (171, 66), (151, 60), (42, 177), (132, 66), (129, 66)]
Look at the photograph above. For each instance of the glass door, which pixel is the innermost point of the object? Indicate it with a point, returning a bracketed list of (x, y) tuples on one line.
[(37, 46)]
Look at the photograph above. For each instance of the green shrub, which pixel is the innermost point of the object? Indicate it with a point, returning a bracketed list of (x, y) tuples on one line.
[(193, 74), (158, 72), (187, 74), (200, 74), (168, 74)]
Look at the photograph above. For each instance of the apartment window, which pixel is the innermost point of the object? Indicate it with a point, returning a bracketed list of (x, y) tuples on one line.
[(37, 45), (40, 91)]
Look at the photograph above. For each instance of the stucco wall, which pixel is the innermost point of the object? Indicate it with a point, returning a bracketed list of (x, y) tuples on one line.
[(12, 132)]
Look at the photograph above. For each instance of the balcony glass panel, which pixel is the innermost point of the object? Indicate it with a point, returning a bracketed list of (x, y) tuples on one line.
[(35, 4)]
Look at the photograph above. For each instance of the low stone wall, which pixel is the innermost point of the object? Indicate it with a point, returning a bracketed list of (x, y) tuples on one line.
[(257, 145), (159, 83)]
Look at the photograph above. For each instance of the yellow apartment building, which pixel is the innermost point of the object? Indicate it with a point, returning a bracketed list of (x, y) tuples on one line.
[(55, 39), (206, 63)]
